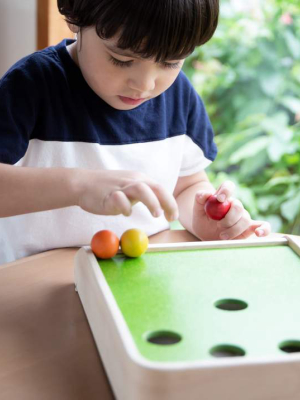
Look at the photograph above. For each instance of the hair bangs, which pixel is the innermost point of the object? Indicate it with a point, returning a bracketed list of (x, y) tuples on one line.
[(159, 29), (163, 30)]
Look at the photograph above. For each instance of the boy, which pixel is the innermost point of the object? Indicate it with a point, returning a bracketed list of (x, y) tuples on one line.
[(91, 127)]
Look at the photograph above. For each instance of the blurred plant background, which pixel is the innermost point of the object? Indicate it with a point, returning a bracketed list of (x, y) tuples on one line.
[(249, 78)]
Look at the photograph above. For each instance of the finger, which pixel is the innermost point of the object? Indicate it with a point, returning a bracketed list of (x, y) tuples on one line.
[(202, 197), (238, 229), (261, 228), (225, 191), (140, 191), (234, 214), (118, 203), (199, 202), (167, 201)]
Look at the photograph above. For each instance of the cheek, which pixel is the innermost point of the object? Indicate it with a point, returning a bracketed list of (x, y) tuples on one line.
[(99, 73), (166, 79)]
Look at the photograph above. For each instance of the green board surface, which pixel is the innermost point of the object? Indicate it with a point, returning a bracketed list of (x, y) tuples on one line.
[(176, 291)]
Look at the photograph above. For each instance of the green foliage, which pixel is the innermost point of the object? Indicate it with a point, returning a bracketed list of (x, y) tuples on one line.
[(249, 78)]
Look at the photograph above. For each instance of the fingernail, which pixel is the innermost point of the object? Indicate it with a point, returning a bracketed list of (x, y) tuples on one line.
[(224, 236), (157, 213), (174, 216), (260, 232), (221, 197)]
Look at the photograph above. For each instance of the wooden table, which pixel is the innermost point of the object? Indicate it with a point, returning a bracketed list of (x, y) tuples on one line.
[(47, 350)]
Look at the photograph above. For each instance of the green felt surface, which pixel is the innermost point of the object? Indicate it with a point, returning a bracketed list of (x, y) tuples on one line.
[(176, 291)]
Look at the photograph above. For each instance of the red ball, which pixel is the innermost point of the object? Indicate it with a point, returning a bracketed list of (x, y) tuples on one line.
[(105, 244), (215, 209)]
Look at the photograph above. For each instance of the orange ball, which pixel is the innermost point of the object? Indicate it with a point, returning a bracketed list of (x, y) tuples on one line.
[(105, 244)]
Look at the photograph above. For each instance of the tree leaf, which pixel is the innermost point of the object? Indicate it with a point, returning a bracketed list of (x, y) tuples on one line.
[(250, 149), (292, 43), (291, 208), (292, 103)]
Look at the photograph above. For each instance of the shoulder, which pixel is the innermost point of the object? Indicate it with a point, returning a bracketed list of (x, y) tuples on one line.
[(181, 87), (32, 69), (182, 96)]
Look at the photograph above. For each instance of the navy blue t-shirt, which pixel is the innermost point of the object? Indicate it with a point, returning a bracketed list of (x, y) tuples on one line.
[(44, 96), (50, 117)]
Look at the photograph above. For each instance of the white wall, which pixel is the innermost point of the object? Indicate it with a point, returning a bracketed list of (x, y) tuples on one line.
[(17, 31)]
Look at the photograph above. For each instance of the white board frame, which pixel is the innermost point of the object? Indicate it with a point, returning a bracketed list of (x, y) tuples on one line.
[(133, 377)]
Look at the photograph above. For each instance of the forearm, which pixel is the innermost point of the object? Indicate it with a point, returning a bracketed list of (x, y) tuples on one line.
[(103, 192), (185, 201), (24, 190)]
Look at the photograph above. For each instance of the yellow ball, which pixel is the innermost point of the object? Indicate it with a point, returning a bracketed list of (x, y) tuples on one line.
[(134, 242)]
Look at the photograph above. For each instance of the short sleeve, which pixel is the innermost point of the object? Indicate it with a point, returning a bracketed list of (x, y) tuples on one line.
[(199, 147), (18, 104)]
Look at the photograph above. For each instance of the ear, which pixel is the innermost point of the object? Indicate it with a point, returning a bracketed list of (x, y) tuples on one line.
[(73, 28)]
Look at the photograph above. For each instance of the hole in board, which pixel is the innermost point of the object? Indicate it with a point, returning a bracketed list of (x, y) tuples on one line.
[(290, 346), (227, 350), (163, 337), (231, 304)]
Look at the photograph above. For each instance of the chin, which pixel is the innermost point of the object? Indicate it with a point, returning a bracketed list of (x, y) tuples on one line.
[(122, 107)]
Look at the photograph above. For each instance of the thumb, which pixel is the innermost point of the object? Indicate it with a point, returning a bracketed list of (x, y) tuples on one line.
[(200, 200)]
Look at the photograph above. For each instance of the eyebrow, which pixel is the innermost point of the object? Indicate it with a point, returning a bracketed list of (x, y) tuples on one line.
[(121, 52)]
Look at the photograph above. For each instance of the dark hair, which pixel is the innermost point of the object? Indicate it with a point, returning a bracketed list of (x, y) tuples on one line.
[(160, 29)]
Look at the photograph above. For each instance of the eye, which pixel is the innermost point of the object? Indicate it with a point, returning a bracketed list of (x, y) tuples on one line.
[(171, 65), (120, 63)]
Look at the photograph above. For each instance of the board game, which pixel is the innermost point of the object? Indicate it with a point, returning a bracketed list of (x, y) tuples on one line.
[(202, 320)]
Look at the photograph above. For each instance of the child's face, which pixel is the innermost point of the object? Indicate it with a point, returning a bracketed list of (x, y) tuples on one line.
[(120, 78)]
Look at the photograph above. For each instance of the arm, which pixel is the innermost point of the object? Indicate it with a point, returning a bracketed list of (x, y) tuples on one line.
[(25, 190), (191, 193), (185, 192)]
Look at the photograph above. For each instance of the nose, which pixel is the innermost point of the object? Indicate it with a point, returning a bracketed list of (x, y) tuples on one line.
[(143, 81)]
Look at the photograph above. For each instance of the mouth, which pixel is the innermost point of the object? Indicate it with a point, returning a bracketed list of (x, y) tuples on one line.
[(131, 101)]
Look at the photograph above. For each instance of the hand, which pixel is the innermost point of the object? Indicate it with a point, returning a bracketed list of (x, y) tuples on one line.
[(115, 192), (237, 223)]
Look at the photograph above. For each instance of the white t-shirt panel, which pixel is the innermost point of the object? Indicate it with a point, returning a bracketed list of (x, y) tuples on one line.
[(162, 160)]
